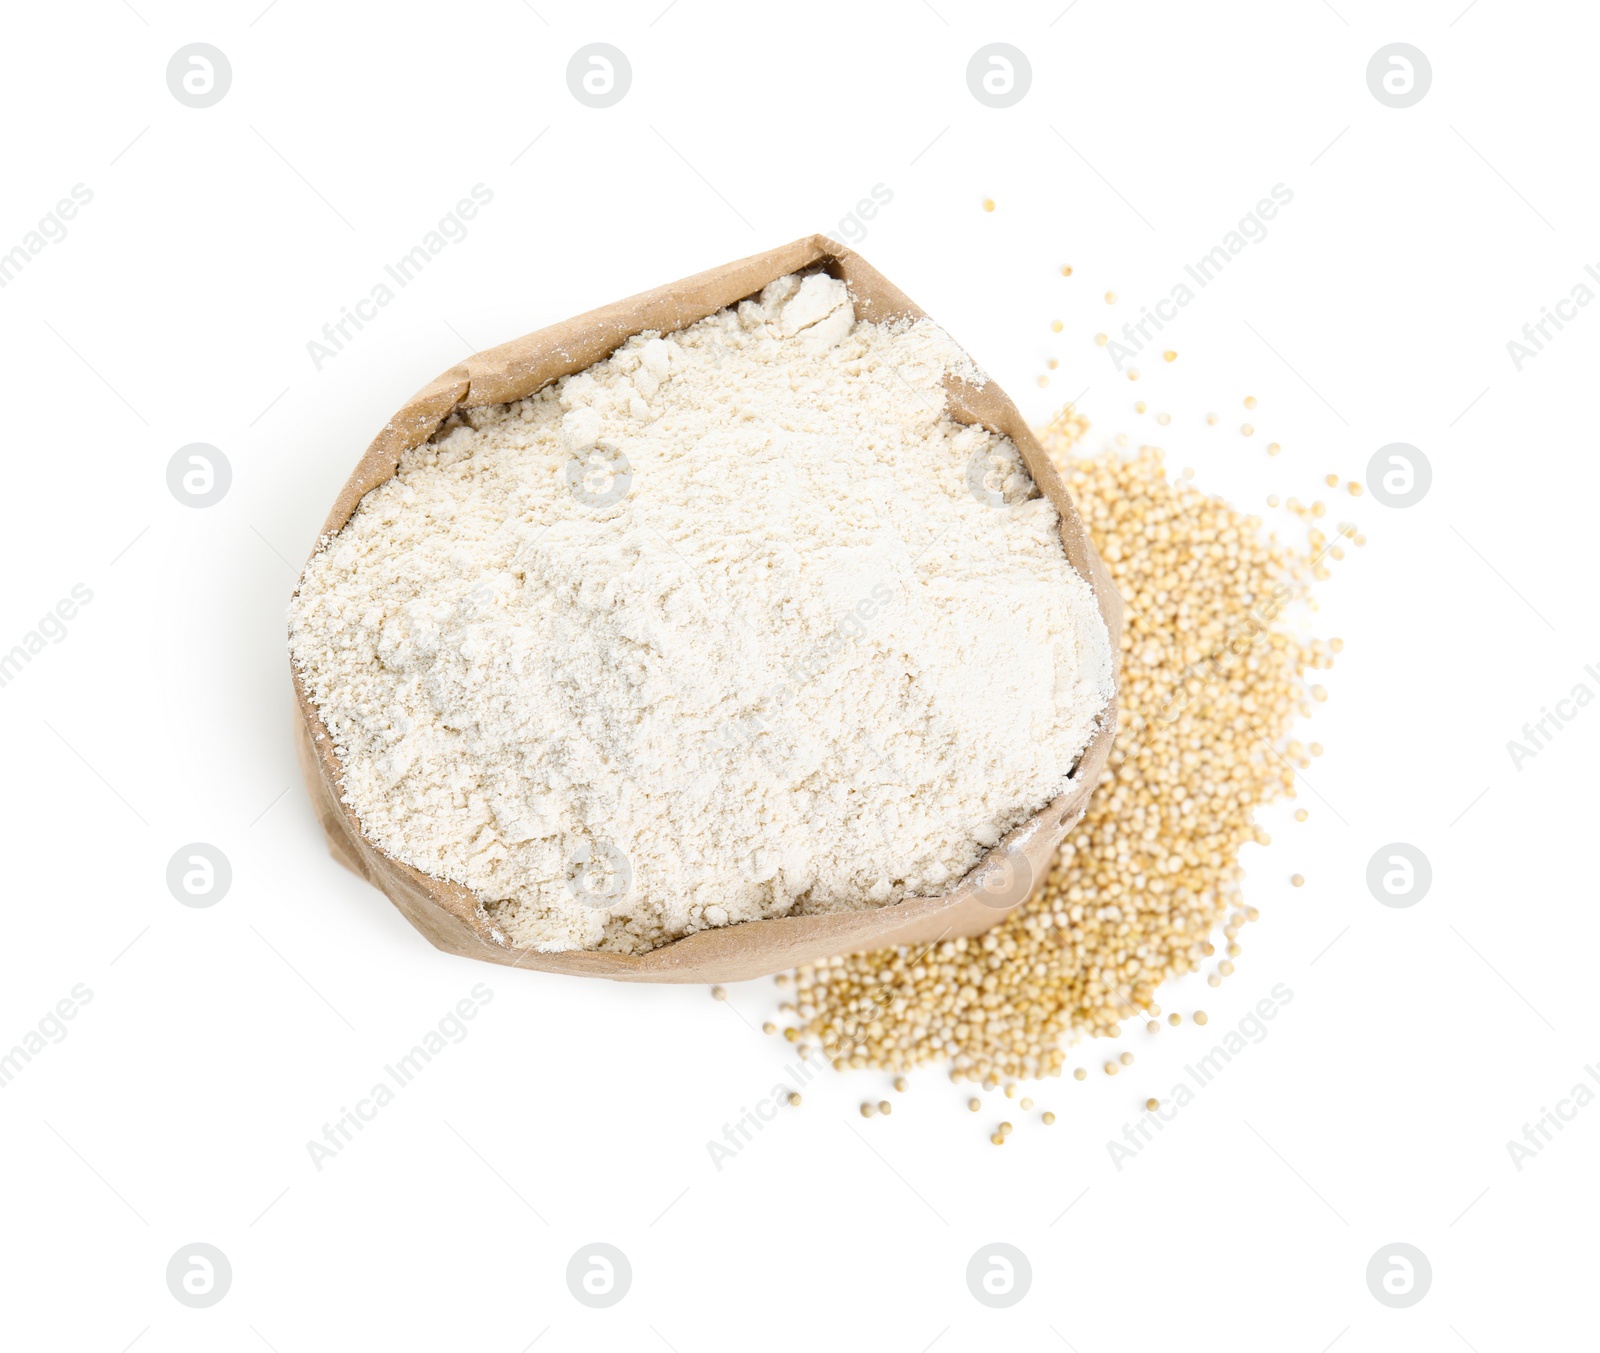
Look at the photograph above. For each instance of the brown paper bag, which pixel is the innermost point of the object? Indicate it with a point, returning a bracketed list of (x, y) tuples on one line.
[(451, 916)]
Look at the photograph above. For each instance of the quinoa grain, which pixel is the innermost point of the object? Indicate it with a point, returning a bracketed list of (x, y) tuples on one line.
[(1210, 688)]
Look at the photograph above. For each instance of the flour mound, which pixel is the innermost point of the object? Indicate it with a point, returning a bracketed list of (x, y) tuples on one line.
[(736, 623)]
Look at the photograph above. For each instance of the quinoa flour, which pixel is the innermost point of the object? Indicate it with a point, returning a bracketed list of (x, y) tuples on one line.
[(736, 623)]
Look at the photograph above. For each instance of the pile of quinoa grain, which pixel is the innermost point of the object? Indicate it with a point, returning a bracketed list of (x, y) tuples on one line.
[(1211, 686)]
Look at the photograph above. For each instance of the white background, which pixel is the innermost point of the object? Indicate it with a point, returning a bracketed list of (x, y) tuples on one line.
[(217, 1042)]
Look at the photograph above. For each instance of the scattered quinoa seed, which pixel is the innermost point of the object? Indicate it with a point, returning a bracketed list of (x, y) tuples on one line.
[(867, 1110), (1089, 951), (901, 1084), (1199, 1017), (1112, 1068), (974, 1104), (794, 1098), (988, 204), (1027, 1104), (1056, 326), (1298, 880), (1066, 270), (1005, 1129), (1047, 1118), (1126, 1059), (998, 1139), (885, 1107), (1247, 429), (719, 993), (1174, 1019), (1102, 339), (1169, 355), (1111, 298), (769, 1028), (1152, 1104)]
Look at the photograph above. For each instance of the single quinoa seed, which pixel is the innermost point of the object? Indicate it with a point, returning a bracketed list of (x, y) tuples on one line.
[(1210, 688), (1047, 1118), (1199, 1017), (794, 1098), (1152, 1104), (719, 993)]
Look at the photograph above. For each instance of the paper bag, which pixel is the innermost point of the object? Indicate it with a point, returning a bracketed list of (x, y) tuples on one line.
[(449, 914)]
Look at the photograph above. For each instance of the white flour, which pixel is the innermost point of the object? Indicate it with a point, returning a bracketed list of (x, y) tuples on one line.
[(734, 624)]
